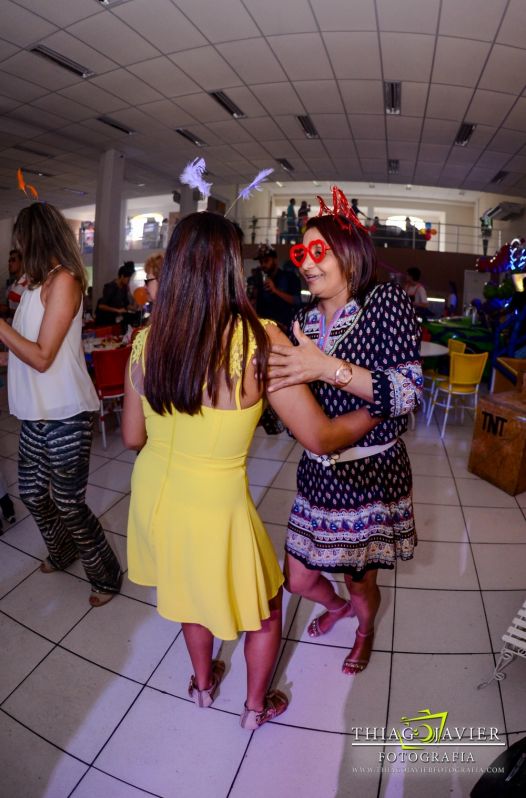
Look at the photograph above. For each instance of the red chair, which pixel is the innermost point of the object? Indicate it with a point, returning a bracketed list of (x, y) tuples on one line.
[(104, 332), (109, 368)]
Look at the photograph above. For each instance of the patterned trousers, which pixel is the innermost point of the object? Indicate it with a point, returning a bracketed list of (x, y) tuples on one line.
[(53, 467)]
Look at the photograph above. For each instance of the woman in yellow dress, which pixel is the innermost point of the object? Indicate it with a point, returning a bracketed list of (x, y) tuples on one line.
[(193, 400)]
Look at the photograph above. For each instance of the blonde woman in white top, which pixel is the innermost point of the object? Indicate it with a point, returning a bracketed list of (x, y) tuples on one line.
[(50, 391)]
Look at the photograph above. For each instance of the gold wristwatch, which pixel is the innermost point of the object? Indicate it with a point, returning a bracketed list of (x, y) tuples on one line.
[(343, 374)]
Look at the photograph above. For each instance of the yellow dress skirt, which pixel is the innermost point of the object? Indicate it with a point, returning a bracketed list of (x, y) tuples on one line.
[(193, 530)]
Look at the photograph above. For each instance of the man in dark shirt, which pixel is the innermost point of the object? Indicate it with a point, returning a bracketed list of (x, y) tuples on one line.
[(115, 298), (279, 291)]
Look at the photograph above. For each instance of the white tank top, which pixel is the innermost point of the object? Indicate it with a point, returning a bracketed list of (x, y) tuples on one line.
[(65, 389)]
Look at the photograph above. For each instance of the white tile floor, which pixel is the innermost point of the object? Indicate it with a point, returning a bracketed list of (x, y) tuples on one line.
[(94, 703)]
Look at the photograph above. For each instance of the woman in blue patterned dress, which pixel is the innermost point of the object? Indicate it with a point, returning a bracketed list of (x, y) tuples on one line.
[(357, 345)]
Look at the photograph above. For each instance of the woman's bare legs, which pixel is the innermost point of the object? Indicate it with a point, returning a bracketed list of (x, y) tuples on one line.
[(261, 652), (365, 597), (316, 587), (199, 641)]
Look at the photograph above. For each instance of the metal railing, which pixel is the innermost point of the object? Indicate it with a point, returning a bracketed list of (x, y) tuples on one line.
[(444, 238)]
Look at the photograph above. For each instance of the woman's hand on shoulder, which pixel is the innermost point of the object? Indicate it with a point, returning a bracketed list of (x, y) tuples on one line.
[(294, 365)]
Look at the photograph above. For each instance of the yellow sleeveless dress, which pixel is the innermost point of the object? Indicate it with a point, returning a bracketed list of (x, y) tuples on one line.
[(193, 530)]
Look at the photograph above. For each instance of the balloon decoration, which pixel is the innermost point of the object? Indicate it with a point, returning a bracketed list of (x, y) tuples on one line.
[(428, 231), (504, 291), (510, 257), (141, 296)]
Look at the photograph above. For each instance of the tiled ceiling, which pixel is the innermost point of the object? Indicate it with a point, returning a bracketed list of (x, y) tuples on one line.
[(155, 62)]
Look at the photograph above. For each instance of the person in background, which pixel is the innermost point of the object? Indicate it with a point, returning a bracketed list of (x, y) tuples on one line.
[(163, 233), (292, 227), (17, 280), (152, 268), (452, 299), (115, 299), (416, 291), (50, 391), (282, 228), (193, 399), (278, 292), (303, 216), (87, 304), (355, 208)]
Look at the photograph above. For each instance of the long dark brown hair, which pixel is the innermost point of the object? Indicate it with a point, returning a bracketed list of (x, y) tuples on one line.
[(201, 297), (354, 251), (43, 236)]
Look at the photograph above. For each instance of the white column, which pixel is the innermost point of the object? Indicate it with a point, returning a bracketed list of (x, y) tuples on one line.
[(108, 221)]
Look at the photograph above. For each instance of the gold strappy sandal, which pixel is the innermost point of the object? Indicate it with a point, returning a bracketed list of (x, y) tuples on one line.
[(205, 698), (353, 666), (276, 703), (314, 629)]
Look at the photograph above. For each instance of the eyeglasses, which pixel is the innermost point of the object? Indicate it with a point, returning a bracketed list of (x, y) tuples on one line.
[(149, 280), (316, 249)]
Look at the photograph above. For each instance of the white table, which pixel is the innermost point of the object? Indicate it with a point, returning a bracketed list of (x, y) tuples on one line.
[(430, 349)]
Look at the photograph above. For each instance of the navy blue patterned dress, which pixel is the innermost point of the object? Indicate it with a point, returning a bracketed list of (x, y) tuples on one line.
[(354, 516)]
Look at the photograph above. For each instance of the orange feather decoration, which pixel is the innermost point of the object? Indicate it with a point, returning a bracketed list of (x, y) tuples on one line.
[(25, 187)]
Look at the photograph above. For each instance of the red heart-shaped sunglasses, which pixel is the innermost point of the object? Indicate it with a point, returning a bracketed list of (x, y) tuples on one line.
[(317, 250)]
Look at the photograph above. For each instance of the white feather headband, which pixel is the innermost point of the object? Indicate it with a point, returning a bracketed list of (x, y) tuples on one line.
[(192, 175)]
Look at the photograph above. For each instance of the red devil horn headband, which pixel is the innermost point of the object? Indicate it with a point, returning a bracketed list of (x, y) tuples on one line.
[(341, 208)]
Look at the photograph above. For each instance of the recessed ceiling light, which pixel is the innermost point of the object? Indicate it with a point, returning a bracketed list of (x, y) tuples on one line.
[(62, 61), (308, 127), (140, 185), (464, 134), (108, 120), (189, 136), (499, 177), (228, 104), (279, 184), (316, 183), (286, 165), (36, 172), (111, 3), (392, 96), (408, 187)]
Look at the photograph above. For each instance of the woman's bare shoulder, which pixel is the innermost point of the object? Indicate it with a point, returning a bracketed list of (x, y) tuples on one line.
[(63, 279), (61, 286), (276, 336)]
